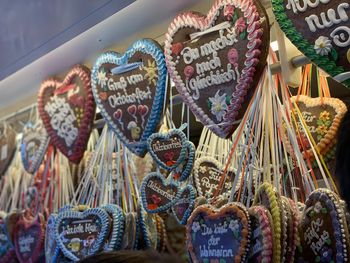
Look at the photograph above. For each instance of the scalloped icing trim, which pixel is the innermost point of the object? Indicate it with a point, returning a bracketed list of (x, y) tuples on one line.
[(211, 212), (302, 44), (152, 48), (275, 211), (101, 237), (249, 10), (79, 145)]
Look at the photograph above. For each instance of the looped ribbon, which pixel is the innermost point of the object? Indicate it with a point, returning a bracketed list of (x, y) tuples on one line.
[(218, 27), (126, 67)]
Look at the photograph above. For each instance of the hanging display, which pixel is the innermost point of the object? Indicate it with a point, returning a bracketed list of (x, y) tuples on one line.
[(67, 110), (129, 90), (7, 147), (216, 60), (320, 30), (33, 146)]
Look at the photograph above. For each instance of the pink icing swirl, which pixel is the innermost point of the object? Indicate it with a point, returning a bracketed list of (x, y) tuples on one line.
[(240, 25), (232, 56)]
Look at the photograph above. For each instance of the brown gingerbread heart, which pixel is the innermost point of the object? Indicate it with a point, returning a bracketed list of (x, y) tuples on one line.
[(323, 117), (215, 60), (218, 235), (67, 109), (207, 173), (323, 230)]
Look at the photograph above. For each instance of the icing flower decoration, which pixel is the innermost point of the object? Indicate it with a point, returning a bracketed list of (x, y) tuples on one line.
[(151, 74), (188, 71), (318, 207), (322, 129), (232, 56), (176, 48), (234, 226), (229, 11), (103, 96), (196, 227), (102, 78), (240, 25), (323, 46), (326, 254), (202, 169), (324, 116), (218, 105)]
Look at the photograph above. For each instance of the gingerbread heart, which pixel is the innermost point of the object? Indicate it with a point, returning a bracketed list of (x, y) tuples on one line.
[(323, 117), (6, 247), (118, 225), (182, 209), (168, 149), (267, 196), (261, 246), (207, 173), (33, 146), (157, 193), (183, 171), (28, 237), (319, 29), (218, 235), (129, 90), (7, 147), (67, 110), (51, 248), (323, 231), (148, 226), (215, 61), (80, 234)]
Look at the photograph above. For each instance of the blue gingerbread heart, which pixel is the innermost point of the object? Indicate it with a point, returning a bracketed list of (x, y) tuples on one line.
[(129, 90)]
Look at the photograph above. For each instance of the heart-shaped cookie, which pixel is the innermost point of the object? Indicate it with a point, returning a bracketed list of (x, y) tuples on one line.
[(157, 193), (323, 231), (182, 171), (218, 235), (215, 61), (28, 238), (323, 117), (6, 247), (267, 196), (67, 110), (182, 209), (51, 248), (319, 29), (261, 246), (118, 225), (80, 234), (129, 90), (148, 226), (7, 147), (207, 173), (33, 146), (168, 149)]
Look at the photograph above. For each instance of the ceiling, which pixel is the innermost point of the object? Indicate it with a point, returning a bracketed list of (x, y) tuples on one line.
[(39, 39)]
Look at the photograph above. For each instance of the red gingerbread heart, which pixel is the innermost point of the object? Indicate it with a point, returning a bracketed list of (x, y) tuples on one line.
[(67, 109), (29, 238)]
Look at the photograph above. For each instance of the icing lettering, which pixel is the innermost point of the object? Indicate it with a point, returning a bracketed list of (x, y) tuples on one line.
[(312, 233), (79, 228), (62, 119), (174, 144), (295, 4), (155, 187), (25, 242), (215, 78), (328, 20)]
